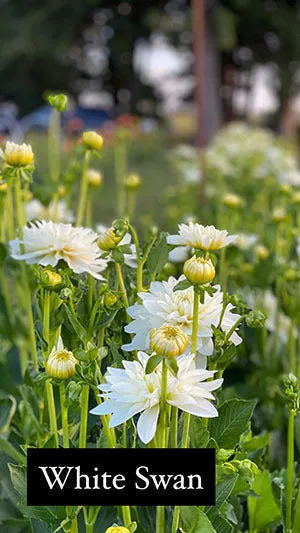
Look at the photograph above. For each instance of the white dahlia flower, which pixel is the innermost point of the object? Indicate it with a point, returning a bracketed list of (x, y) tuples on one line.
[(46, 243), (129, 259), (59, 211), (201, 237), (245, 241), (130, 391), (162, 305)]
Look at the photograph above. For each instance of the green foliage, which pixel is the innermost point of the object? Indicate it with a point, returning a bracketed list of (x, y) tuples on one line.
[(233, 420), (263, 511)]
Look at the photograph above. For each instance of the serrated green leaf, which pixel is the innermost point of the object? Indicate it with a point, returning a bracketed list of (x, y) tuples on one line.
[(223, 491), (78, 328), (199, 433), (263, 511), (18, 478), (195, 521), (233, 419), (158, 255)]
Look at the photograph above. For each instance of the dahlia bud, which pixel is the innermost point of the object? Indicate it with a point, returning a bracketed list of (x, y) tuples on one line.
[(3, 186), (291, 274), (232, 200), (51, 280), (168, 341), (18, 155), (110, 299), (261, 252), (94, 177), (279, 215), (62, 191), (109, 240), (58, 101), (199, 270), (92, 140), (117, 529), (132, 182), (296, 197), (61, 363), (285, 188)]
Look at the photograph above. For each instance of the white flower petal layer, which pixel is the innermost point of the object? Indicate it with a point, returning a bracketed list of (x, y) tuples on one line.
[(46, 243)]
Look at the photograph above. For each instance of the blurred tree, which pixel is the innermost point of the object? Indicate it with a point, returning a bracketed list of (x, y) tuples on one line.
[(64, 46), (265, 32)]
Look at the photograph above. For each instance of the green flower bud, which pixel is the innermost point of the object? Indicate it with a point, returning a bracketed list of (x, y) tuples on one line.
[(110, 299), (255, 319), (66, 293), (223, 455), (58, 101), (51, 280)]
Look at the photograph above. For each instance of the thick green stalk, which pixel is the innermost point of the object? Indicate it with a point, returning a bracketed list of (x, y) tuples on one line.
[(52, 411), (83, 190), (290, 471), (64, 413), (46, 318), (84, 415), (126, 515), (10, 211), (160, 510), (174, 427), (121, 284)]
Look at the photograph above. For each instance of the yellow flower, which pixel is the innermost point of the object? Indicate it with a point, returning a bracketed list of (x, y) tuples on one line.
[(168, 341), (232, 200), (92, 140), (18, 155), (132, 181), (61, 363), (199, 270), (109, 240), (117, 529), (94, 177)]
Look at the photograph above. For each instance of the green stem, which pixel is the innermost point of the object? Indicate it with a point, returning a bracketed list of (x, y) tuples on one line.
[(160, 510), (109, 432), (10, 212), (140, 264), (290, 472), (223, 270), (54, 146), (121, 284), (83, 190), (84, 415), (234, 327), (91, 285), (52, 411), (64, 414), (174, 427), (187, 416), (19, 205), (126, 515), (46, 318), (120, 174)]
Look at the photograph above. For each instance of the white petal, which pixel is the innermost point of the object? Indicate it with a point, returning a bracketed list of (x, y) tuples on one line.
[(147, 423)]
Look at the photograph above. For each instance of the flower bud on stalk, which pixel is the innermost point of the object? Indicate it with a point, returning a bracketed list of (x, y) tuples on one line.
[(110, 299), (92, 140), (168, 341), (109, 240), (132, 182), (232, 200), (261, 252), (94, 177), (18, 155), (279, 215), (61, 364), (58, 101), (51, 280), (199, 270)]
